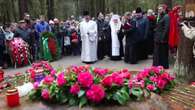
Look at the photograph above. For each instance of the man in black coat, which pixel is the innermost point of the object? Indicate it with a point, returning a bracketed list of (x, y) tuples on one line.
[(102, 38), (2, 48), (142, 25), (129, 29), (161, 47)]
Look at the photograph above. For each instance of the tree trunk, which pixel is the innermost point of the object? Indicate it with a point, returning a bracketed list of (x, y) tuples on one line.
[(23, 7), (13, 10), (50, 9), (185, 63)]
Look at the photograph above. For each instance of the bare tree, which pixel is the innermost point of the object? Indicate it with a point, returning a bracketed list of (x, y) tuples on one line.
[(50, 9)]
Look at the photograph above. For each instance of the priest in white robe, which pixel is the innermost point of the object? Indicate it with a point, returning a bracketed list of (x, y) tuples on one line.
[(88, 31), (116, 45)]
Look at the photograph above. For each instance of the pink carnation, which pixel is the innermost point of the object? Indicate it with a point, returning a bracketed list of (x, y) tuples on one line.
[(156, 69), (74, 89), (48, 80), (125, 75), (117, 79), (96, 93), (130, 84), (85, 79), (53, 72), (48, 66), (150, 87), (140, 76), (75, 69), (45, 94), (167, 76), (107, 81), (100, 72), (153, 79), (36, 85), (140, 83), (32, 73), (61, 79), (161, 84), (125, 70)]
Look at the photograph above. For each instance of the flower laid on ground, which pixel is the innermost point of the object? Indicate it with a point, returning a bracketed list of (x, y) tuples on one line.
[(100, 71), (150, 87), (107, 81), (48, 80), (96, 93), (61, 79), (45, 94), (75, 89), (118, 79), (85, 79), (36, 85), (82, 85), (42, 67)]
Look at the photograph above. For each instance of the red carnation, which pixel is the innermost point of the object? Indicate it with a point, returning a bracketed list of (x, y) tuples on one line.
[(48, 80), (150, 87), (107, 81), (161, 84), (167, 76), (96, 93), (117, 79), (74, 89), (85, 79)]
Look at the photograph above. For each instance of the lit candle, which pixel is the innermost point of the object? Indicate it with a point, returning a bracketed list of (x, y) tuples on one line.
[(12, 98)]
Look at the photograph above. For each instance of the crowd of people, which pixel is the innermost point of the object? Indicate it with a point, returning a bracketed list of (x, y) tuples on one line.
[(131, 37)]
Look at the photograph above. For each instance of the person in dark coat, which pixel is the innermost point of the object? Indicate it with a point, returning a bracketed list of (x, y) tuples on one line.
[(129, 29), (23, 32), (152, 25), (142, 25), (161, 47), (2, 48), (101, 25), (107, 33)]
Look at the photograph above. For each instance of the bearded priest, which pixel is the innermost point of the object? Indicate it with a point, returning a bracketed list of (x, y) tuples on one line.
[(88, 31)]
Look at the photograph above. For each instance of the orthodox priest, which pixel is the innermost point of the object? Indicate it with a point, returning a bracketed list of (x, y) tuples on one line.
[(88, 31), (161, 46), (116, 38)]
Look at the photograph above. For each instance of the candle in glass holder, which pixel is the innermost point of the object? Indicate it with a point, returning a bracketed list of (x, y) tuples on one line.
[(12, 97), (1, 75)]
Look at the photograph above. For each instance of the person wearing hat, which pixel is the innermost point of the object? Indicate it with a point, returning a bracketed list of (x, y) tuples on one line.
[(116, 39), (161, 47), (88, 31), (23, 31), (142, 25)]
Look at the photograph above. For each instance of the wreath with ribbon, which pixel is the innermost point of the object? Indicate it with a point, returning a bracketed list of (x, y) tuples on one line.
[(49, 46)]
